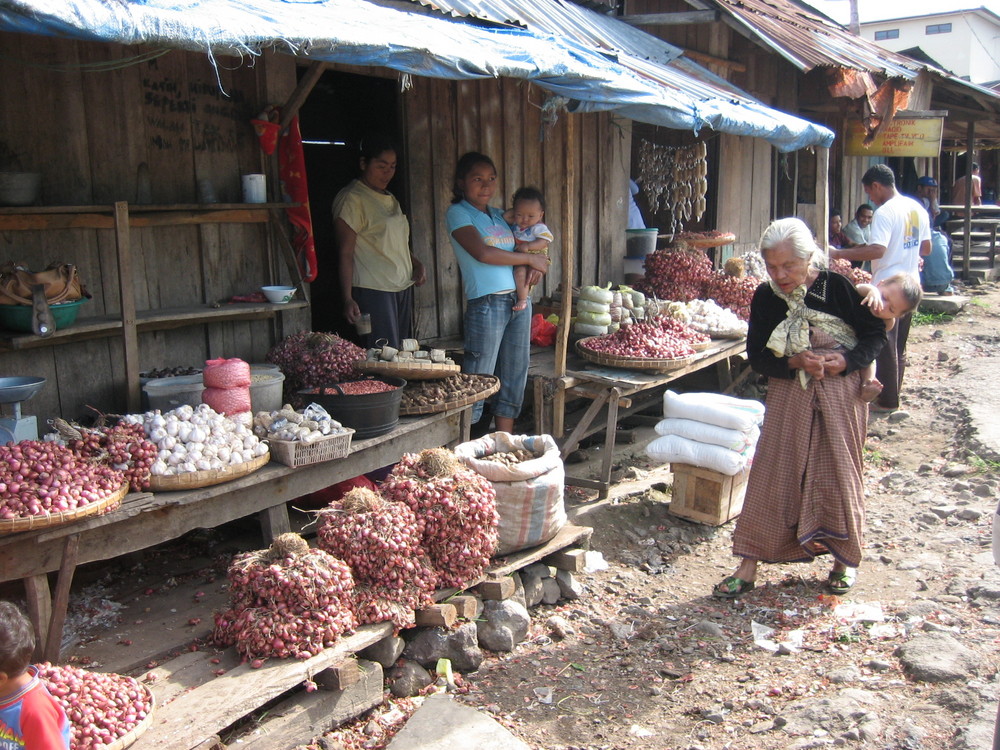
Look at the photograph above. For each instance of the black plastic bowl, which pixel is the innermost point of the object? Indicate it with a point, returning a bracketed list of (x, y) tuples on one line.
[(368, 414)]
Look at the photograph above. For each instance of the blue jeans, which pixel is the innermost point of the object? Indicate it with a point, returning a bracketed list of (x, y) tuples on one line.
[(498, 342)]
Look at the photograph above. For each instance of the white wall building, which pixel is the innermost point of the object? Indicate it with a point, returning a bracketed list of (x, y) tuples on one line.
[(965, 42)]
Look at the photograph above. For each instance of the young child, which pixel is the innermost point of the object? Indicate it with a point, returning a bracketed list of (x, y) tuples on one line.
[(891, 298), (30, 718), (530, 234)]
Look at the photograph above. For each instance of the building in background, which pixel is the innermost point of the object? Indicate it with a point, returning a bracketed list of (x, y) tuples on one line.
[(964, 42)]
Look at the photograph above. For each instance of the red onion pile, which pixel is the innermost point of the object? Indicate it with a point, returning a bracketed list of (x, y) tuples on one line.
[(732, 292), (310, 359), (645, 339), (676, 274), (455, 510), (40, 478), (101, 706), (123, 447), (287, 600), (844, 268), (360, 387), (380, 542)]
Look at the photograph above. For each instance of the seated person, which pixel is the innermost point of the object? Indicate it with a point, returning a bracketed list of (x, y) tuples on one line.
[(927, 194), (837, 237), (859, 229)]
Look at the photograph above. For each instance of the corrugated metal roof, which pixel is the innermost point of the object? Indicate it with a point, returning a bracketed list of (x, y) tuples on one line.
[(566, 19), (809, 40)]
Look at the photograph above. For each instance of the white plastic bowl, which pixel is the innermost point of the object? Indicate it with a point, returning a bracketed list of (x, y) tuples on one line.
[(278, 295)]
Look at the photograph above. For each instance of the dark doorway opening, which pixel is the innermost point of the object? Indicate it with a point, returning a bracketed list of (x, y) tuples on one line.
[(339, 113)]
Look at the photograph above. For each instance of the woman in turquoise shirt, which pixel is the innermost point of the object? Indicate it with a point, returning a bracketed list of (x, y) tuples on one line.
[(497, 337)]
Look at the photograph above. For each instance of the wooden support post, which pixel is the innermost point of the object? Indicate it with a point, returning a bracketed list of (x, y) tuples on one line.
[(287, 251), (609, 441), (36, 590), (437, 615), (130, 337), (573, 560), (970, 146), (588, 416), (568, 257), (822, 228), (301, 93), (497, 588), (274, 522), (339, 676), (60, 602)]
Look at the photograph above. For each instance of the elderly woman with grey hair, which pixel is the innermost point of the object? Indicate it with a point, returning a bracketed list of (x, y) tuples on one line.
[(810, 334)]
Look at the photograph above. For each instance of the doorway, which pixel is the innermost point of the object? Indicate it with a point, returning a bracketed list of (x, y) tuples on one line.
[(341, 110)]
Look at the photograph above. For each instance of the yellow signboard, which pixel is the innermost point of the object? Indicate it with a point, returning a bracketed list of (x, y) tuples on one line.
[(904, 136)]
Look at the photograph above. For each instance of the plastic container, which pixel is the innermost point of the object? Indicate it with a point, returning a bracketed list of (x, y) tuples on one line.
[(18, 317), (266, 383), (169, 393), (19, 188), (369, 414), (640, 242)]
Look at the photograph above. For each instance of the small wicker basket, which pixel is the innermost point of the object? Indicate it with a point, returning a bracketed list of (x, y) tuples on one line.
[(296, 453)]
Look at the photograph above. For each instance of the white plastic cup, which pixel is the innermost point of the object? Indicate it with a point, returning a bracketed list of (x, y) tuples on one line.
[(254, 188), (364, 324)]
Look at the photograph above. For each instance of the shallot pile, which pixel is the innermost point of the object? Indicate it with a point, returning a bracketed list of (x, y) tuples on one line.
[(676, 274), (41, 478), (455, 510), (101, 706), (198, 439), (844, 268), (287, 600), (310, 359), (123, 447), (648, 339), (732, 292), (380, 542)]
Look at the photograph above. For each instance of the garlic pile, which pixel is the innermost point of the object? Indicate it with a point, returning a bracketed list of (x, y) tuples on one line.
[(198, 439), (707, 316), (409, 352), (308, 426)]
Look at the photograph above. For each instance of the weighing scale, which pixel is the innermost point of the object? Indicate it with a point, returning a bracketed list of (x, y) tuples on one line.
[(14, 391)]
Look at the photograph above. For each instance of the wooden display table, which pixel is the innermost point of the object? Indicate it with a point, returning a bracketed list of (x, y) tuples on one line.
[(616, 391), (146, 519)]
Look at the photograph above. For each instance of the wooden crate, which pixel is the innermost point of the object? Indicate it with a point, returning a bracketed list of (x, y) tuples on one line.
[(707, 496)]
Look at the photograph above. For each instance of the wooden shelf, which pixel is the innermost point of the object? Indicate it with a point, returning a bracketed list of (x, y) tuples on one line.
[(146, 320), (103, 217)]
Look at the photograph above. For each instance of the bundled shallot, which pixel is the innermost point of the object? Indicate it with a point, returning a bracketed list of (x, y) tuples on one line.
[(844, 268), (731, 292), (287, 600), (380, 542), (675, 274), (310, 359), (123, 447), (455, 510), (101, 707)]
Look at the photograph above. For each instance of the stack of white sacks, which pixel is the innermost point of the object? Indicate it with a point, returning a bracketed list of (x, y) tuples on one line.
[(709, 430)]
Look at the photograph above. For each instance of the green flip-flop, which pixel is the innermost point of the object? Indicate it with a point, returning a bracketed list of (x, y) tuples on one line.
[(842, 581), (732, 587)]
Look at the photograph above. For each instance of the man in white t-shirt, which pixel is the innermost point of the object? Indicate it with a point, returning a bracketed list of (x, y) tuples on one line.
[(900, 234)]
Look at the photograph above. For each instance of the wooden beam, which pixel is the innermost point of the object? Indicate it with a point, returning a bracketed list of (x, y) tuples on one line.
[(671, 19), (970, 139), (60, 602), (130, 337), (822, 227), (295, 101), (722, 62)]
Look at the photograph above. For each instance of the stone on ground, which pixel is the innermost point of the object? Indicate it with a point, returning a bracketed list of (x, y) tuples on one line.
[(502, 625), (442, 724), (937, 657), (461, 646)]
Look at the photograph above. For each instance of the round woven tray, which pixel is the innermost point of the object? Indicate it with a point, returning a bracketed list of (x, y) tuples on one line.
[(707, 242), (702, 346), (27, 523), (194, 480), (446, 405), (726, 334), (631, 363), (410, 370), (138, 730)]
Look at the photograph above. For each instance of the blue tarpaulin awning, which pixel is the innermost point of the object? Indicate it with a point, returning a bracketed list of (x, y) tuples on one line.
[(419, 42)]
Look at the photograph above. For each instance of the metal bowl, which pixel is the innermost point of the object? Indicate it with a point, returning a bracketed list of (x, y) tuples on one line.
[(15, 390)]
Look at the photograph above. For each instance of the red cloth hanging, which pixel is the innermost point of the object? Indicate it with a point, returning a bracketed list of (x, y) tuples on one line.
[(294, 186)]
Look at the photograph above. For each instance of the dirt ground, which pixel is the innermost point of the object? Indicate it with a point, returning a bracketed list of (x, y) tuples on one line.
[(649, 660)]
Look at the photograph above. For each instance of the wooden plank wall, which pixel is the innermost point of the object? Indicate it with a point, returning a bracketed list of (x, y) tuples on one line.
[(504, 119), (88, 133)]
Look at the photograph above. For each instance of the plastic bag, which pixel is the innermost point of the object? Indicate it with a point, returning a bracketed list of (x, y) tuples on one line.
[(226, 373), (543, 333)]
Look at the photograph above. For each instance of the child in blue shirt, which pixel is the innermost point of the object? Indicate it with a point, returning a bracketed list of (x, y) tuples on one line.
[(30, 718)]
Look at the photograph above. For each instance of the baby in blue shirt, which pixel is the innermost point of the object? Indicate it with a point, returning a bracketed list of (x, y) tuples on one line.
[(530, 235)]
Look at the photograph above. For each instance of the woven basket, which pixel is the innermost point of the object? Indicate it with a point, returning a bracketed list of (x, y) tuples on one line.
[(28, 523), (459, 402), (138, 730), (296, 453), (703, 243), (409, 370), (631, 363), (194, 480)]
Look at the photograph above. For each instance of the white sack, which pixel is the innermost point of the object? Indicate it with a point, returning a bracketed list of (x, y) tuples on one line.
[(734, 440), (675, 449), (714, 408)]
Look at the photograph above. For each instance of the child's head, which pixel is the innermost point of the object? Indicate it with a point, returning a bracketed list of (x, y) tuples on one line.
[(901, 294), (528, 207), (17, 641)]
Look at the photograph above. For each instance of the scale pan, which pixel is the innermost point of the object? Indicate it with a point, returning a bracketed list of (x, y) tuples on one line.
[(15, 390)]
